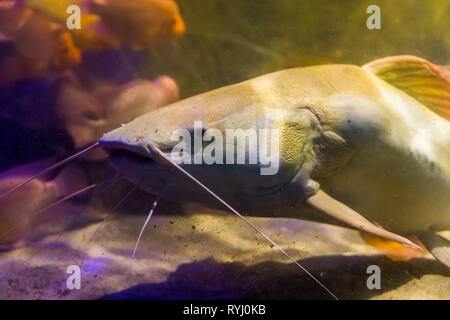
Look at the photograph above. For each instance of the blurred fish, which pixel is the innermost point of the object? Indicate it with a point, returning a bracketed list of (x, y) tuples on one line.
[(141, 23), (56, 10), (92, 35), (34, 39), (41, 49), (126, 102), (105, 24), (87, 116), (65, 54), (18, 212), (81, 113), (12, 16)]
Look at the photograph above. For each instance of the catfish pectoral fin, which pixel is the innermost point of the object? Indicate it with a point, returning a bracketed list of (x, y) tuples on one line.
[(437, 245), (336, 209)]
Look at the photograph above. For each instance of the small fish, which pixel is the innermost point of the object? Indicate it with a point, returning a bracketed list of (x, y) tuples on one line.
[(138, 97), (56, 10), (12, 16), (141, 23), (88, 115), (110, 24), (41, 49), (19, 213), (357, 144), (92, 36)]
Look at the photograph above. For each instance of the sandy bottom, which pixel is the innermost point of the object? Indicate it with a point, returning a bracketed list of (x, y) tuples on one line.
[(209, 256)]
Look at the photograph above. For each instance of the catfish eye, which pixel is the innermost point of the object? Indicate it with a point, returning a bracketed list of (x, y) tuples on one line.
[(173, 22)]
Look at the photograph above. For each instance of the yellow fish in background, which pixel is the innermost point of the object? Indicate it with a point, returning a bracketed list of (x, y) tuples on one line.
[(105, 24), (109, 24), (56, 10), (141, 23), (92, 35), (65, 53), (20, 213)]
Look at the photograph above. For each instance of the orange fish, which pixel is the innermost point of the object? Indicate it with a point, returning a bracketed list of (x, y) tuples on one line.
[(92, 35), (12, 16), (110, 23), (65, 54), (42, 48), (142, 23)]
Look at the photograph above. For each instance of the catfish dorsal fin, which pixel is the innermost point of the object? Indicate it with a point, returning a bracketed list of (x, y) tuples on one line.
[(426, 82)]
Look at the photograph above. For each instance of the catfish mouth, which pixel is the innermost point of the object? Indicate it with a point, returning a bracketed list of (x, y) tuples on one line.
[(137, 156), (130, 155)]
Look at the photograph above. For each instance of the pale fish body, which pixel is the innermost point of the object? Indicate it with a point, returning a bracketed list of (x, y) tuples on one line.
[(399, 171), (353, 149)]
